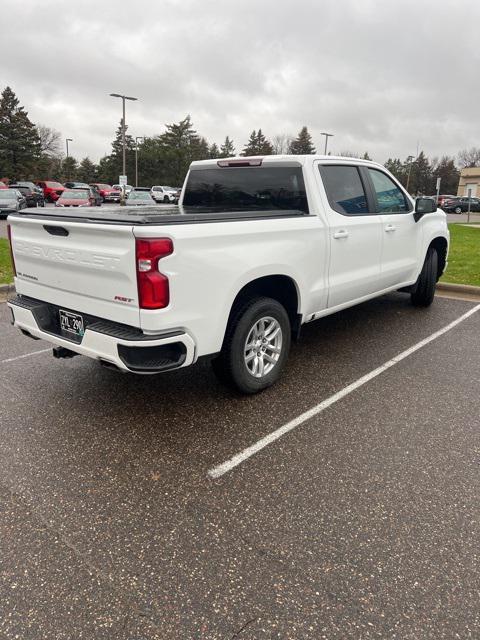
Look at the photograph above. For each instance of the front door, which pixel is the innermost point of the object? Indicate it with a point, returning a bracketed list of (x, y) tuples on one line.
[(401, 235), (355, 235)]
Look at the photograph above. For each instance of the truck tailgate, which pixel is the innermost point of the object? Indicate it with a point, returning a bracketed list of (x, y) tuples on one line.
[(86, 267)]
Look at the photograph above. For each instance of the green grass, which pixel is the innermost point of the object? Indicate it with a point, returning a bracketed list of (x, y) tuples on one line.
[(6, 273), (463, 261), (464, 256)]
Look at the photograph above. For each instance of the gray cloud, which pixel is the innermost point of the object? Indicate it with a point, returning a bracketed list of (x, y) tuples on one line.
[(379, 74)]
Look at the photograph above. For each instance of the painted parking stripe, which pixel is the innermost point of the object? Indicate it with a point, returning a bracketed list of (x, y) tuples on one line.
[(25, 355), (247, 453)]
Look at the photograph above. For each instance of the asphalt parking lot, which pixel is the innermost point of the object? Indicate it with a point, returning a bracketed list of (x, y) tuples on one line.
[(362, 522)]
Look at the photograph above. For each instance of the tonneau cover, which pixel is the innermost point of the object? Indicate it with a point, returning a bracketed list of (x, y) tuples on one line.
[(150, 215)]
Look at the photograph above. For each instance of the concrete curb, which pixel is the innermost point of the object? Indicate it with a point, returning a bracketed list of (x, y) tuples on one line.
[(7, 288), (458, 288)]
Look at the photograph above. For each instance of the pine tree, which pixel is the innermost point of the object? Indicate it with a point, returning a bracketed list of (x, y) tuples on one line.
[(449, 174), (179, 146), (302, 145), (69, 169), (227, 149), (19, 141), (257, 145), (366, 156), (213, 151), (116, 157), (87, 171), (395, 166)]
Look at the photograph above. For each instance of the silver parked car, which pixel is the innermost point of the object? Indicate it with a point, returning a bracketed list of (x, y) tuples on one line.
[(11, 200)]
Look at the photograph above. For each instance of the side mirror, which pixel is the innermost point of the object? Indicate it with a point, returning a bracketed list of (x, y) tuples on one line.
[(423, 206)]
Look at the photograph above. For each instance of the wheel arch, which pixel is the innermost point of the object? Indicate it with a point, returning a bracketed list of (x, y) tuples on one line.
[(280, 287), (440, 244)]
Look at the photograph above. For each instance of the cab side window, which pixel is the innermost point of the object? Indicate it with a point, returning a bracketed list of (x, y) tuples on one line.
[(345, 190), (390, 198)]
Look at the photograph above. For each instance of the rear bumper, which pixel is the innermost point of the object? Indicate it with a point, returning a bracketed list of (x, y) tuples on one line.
[(126, 348)]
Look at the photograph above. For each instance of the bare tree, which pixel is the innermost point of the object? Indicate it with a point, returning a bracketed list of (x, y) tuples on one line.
[(49, 140), (469, 157), (281, 143)]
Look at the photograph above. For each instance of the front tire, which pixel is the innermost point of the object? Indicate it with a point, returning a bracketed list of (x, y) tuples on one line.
[(458, 209), (423, 290), (256, 346)]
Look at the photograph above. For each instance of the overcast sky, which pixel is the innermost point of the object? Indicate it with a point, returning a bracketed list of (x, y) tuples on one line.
[(379, 74)]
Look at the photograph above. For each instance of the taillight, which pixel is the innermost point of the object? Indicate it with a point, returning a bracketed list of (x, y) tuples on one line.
[(9, 233), (153, 289)]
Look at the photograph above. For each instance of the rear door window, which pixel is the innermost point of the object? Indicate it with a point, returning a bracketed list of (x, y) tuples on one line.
[(344, 188), (246, 189)]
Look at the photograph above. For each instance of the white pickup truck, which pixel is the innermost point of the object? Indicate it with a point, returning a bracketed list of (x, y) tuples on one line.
[(257, 247)]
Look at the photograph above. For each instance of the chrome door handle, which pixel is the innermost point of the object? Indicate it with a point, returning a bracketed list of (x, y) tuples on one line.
[(343, 233), (390, 227)]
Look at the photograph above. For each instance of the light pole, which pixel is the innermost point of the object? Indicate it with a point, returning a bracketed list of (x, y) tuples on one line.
[(327, 136), (124, 163), (409, 159), (137, 138), (67, 140)]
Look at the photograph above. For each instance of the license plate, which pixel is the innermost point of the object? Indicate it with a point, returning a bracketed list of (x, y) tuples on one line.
[(71, 323)]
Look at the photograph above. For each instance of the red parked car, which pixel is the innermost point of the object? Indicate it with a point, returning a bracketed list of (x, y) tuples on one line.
[(51, 190), (3, 185), (76, 198), (108, 193)]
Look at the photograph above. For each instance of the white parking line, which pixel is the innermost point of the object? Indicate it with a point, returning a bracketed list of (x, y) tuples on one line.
[(25, 355), (223, 468)]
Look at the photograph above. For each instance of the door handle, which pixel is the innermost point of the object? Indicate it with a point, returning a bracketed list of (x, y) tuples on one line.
[(343, 233), (390, 227)]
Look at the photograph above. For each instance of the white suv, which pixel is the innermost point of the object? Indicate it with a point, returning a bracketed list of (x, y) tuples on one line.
[(163, 194)]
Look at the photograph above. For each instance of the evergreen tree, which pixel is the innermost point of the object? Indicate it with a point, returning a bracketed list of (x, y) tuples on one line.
[(19, 141), (227, 149), (366, 156), (214, 151), (257, 145), (87, 171), (395, 166), (69, 169), (420, 175), (449, 174), (116, 157), (302, 145), (180, 145)]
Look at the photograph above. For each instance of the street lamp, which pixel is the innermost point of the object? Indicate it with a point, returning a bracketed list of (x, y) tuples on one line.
[(118, 95), (67, 140), (137, 138), (409, 159), (327, 136)]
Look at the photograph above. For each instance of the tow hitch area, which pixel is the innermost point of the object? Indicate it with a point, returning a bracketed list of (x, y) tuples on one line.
[(61, 352)]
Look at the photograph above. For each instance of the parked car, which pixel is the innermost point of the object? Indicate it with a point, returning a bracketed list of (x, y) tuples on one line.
[(118, 187), (11, 201), (452, 205), (76, 198), (76, 185), (94, 193), (51, 190), (257, 248), (443, 197), (139, 197), (3, 185), (108, 193), (33, 194), (474, 204), (164, 194)]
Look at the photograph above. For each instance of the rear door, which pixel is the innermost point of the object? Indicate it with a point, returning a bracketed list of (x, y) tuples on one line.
[(401, 235), (355, 234), (83, 266)]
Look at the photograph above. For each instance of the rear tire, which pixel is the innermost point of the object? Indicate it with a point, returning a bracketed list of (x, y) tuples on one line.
[(423, 290), (256, 346), (166, 199), (458, 209)]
